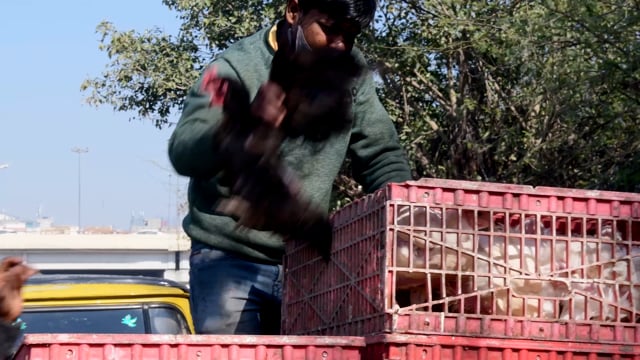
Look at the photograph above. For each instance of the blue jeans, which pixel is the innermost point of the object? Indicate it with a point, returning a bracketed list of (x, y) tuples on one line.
[(232, 295)]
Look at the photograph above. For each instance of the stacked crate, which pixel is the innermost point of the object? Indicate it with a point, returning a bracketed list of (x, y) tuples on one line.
[(188, 347), (265, 347), (473, 259)]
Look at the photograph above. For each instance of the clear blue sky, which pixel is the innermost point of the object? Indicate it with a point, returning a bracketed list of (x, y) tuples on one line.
[(47, 48)]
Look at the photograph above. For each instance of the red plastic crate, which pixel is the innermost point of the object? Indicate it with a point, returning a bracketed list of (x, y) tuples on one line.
[(456, 257), (440, 347), (178, 347)]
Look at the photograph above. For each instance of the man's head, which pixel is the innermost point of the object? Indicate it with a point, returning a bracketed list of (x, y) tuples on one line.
[(329, 23)]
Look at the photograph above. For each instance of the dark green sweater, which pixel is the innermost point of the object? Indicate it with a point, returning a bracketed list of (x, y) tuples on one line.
[(8, 337), (372, 145)]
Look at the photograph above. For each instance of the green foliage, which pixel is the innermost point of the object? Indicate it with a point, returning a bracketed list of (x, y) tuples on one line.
[(149, 73), (537, 92)]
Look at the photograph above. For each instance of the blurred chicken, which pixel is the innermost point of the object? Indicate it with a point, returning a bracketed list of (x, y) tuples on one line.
[(604, 272), (517, 263), (264, 193), (522, 268), (318, 86), (429, 261), (417, 248)]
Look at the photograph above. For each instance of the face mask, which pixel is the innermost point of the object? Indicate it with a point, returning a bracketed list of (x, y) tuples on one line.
[(300, 43)]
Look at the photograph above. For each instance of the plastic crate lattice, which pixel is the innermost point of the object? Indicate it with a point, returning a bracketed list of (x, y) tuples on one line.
[(414, 257)]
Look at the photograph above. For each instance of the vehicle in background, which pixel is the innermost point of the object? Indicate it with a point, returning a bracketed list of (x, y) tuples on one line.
[(105, 304)]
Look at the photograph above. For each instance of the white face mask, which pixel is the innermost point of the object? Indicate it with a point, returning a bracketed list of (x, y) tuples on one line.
[(300, 43)]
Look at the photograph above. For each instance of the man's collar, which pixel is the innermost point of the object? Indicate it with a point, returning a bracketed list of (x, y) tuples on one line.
[(272, 39)]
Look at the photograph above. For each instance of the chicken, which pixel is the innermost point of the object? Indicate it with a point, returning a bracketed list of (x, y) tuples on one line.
[(521, 268), (516, 263), (428, 262), (264, 193), (604, 272), (318, 91)]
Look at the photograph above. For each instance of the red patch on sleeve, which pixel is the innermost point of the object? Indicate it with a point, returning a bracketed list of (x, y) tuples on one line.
[(214, 86)]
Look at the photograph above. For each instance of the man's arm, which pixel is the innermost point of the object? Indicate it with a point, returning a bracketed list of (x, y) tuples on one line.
[(8, 337), (376, 153), (191, 148)]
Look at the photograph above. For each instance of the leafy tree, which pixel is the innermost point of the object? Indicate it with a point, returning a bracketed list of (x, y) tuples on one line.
[(150, 72), (515, 91), (540, 92)]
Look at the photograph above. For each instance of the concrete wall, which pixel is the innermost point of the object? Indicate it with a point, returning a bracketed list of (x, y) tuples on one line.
[(165, 255)]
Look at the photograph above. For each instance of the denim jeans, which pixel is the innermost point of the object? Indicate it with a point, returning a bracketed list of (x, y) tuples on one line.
[(232, 295)]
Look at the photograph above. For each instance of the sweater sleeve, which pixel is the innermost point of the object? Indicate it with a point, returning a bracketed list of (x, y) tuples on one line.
[(9, 335), (376, 154), (191, 149)]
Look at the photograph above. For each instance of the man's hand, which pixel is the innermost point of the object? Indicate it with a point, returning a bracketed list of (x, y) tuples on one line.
[(268, 104), (13, 273)]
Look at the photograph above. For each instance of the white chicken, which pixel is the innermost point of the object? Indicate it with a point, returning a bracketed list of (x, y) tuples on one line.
[(605, 275), (521, 269), (430, 262)]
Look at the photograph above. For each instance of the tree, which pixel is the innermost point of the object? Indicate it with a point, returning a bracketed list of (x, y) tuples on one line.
[(150, 72), (536, 92)]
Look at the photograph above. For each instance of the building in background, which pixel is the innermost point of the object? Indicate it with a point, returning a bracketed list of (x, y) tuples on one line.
[(147, 248)]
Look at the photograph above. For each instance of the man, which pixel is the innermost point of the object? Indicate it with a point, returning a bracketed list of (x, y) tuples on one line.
[(236, 276), (13, 273)]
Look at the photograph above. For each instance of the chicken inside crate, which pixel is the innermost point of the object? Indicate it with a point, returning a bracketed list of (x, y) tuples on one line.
[(439, 256), (517, 264)]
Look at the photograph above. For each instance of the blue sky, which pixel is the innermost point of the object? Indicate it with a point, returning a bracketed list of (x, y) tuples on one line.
[(47, 49)]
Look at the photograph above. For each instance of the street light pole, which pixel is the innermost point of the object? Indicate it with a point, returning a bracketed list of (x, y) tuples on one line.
[(177, 220), (79, 151), (169, 205), (3, 166)]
